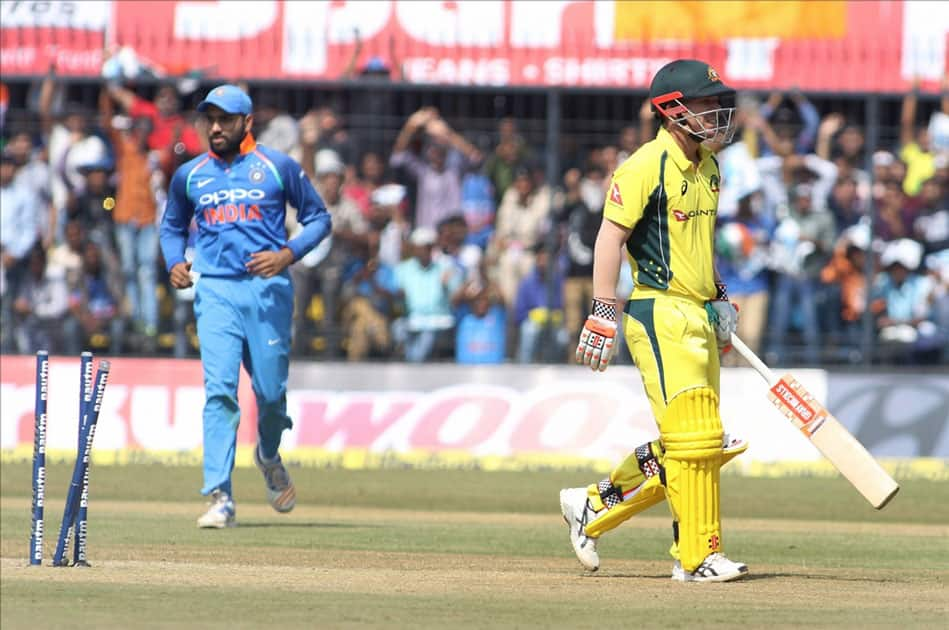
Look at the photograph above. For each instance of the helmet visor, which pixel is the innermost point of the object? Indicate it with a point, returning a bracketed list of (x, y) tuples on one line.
[(715, 125)]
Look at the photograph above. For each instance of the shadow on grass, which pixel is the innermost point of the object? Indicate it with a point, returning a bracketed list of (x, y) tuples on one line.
[(299, 525)]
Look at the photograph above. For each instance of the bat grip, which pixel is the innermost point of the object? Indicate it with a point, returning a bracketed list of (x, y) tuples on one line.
[(753, 359)]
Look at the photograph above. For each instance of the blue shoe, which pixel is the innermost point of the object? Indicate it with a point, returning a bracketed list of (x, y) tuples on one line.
[(280, 491), (220, 514)]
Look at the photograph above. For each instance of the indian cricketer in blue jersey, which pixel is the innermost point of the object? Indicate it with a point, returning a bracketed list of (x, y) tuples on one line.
[(237, 194)]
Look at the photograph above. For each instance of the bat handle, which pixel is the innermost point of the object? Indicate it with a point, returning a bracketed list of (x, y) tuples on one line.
[(753, 359)]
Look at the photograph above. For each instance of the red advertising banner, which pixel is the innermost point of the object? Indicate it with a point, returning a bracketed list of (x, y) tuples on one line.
[(834, 45)]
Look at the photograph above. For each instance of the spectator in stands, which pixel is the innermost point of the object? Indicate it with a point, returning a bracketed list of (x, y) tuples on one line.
[(902, 300), (838, 138), (883, 170), (70, 145), (740, 175), (34, 172), (781, 119), (785, 169), (324, 127), (41, 305), (580, 216), (136, 214), (453, 248), (522, 222), (274, 127), (915, 145), (350, 228), (842, 143), (894, 215), (478, 208), (68, 254), (95, 305), (802, 244), (538, 310), (367, 178), (931, 211), (845, 203), (938, 266), (171, 136), (438, 175), (846, 272), (373, 106), (628, 142), (387, 217), (939, 122), (429, 291), (481, 336), (368, 295), (741, 259), (500, 166), (92, 207), (20, 231)]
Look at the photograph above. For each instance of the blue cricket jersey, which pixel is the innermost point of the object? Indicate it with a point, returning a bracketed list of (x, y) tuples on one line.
[(239, 209)]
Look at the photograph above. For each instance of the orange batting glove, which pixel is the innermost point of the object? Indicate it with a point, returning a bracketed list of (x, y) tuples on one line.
[(599, 332)]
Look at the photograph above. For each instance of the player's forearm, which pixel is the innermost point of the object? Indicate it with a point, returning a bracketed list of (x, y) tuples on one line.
[(313, 232), (606, 259), (173, 245)]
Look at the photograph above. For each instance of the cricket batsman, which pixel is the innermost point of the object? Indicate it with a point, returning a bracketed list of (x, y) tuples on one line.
[(237, 194), (660, 211)]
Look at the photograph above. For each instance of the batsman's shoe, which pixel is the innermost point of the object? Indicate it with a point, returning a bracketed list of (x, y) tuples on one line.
[(715, 568), (280, 491), (577, 512), (220, 514)]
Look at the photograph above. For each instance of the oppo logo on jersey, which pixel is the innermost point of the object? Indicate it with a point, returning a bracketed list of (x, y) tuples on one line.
[(231, 212), (232, 195), (685, 215)]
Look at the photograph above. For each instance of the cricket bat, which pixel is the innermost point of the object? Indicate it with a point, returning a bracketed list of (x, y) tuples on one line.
[(825, 432)]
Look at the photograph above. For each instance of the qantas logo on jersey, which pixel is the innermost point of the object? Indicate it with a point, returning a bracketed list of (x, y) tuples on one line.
[(684, 215), (232, 212), (615, 196)]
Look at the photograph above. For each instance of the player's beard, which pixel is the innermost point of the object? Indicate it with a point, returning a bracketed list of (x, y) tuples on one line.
[(226, 144)]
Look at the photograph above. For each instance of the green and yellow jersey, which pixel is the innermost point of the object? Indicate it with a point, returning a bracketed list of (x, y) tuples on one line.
[(670, 204)]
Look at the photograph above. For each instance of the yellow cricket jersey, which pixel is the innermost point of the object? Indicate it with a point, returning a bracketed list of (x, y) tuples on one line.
[(670, 204)]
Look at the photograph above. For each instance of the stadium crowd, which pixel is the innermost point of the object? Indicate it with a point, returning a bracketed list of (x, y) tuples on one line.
[(444, 248)]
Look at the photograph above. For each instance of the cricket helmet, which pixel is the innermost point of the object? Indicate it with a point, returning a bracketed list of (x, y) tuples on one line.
[(685, 80)]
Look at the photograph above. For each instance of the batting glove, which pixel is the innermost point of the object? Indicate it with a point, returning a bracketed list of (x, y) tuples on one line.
[(723, 315), (599, 332)]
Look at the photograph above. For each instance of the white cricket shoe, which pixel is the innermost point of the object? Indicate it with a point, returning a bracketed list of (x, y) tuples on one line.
[(280, 491), (715, 568), (577, 512), (221, 513)]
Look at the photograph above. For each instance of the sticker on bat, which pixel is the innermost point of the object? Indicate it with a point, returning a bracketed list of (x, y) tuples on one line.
[(789, 396)]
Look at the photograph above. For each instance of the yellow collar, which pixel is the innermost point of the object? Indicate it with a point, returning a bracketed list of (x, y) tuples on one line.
[(677, 154)]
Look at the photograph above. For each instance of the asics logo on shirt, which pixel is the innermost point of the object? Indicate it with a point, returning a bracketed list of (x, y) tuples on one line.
[(232, 195)]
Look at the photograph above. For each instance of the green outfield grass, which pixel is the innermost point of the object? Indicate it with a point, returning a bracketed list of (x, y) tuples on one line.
[(420, 549)]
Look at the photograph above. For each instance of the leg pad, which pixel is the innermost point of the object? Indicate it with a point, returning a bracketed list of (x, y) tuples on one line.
[(691, 432)]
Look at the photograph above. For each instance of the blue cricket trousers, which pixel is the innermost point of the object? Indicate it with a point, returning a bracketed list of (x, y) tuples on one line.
[(242, 319)]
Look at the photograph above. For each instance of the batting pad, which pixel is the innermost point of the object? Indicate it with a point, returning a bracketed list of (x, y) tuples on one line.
[(691, 431), (647, 493)]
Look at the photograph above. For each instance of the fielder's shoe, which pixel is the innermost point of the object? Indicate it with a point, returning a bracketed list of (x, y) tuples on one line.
[(715, 568), (280, 491), (577, 512), (220, 514)]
